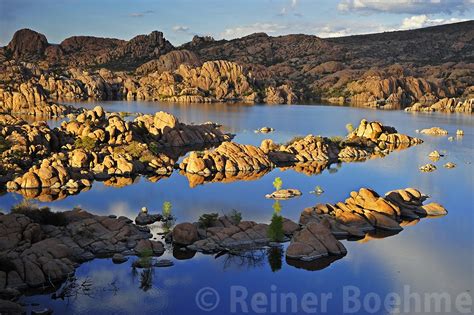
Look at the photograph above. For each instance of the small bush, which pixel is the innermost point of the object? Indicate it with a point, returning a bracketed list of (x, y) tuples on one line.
[(86, 143), (135, 149), (349, 128), (39, 215), (208, 219), (235, 216), (276, 207), (166, 209), (275, 230), (277, 183)]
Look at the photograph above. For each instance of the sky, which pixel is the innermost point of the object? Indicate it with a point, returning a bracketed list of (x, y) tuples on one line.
[(180, 20)]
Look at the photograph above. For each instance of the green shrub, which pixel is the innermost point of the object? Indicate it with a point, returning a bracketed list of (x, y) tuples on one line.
[(277, 183), (276, 207), (235, 216), (166, 209), (275, 230), (135, 149), (208, 219), (86, 143), (39, 215)]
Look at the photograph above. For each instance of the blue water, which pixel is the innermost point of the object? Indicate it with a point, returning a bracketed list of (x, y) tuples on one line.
[(435, 255)]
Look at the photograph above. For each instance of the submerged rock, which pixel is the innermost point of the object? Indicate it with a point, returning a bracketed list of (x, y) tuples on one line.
[(119, 259)]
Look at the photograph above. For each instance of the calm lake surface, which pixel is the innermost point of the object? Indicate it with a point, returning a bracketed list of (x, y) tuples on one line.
[(433, 256)]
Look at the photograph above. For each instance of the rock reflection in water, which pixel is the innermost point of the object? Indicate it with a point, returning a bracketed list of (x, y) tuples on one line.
[(223, 177)]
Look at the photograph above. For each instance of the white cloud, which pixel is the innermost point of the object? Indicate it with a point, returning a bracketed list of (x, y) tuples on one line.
[(423, 20), (244, 30), (406, 6), (180, 28), (141, 14), (290, 7)]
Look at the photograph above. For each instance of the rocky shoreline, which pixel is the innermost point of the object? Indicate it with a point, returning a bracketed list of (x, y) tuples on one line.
[(36, 75), (41, 249), (319, 228)]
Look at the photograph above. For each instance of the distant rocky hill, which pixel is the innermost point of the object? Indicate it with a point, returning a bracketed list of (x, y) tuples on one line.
[(393, 69)]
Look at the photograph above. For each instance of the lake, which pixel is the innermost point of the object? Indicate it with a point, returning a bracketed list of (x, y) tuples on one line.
[(434, 256)]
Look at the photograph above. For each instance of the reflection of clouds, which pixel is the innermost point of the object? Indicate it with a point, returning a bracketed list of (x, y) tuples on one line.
[(122, 208), (178, 281), (415, 260), (127, 298)]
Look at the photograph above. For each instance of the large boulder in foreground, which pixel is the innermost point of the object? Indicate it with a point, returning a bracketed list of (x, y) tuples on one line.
[(314, 241), (185, 234)]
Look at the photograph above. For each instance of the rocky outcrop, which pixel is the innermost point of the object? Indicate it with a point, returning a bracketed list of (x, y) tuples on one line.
[(27, 44), (316, 236), (445, 105), (385, 137), (228, 157), (396, 92), (284, 69), (307, 149), (225, 234), (36, 254), (94, 145), (30, 99), (310, 154), (365, 211), (170, 62), (434, 131), (314, 241)]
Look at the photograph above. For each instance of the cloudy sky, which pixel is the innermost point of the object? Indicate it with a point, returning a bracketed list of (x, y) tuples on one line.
[(180, 20)]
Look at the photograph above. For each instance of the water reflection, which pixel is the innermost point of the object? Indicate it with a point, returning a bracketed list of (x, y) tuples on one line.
[(433, 255)]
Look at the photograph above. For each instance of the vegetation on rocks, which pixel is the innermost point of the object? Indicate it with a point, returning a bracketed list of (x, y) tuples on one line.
[(275, 229), (42, 215), (277, 183), (86, 143), (208, 219)]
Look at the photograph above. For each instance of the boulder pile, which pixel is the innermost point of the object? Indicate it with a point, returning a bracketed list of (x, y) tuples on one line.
[(36, 254), (319, 227), (94, 145)]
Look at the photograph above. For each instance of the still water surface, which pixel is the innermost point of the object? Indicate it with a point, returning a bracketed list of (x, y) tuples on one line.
[(435, 255)]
